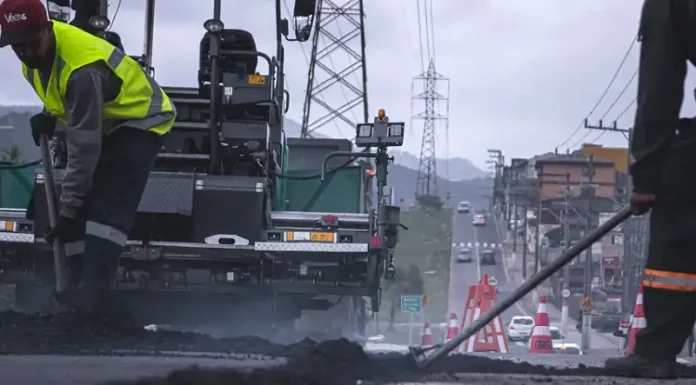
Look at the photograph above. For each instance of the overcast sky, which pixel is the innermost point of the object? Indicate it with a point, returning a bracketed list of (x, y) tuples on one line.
[(523, 73)]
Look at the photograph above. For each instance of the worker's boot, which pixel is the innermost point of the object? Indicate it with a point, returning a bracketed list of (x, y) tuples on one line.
[(641, 367), (105, 307)]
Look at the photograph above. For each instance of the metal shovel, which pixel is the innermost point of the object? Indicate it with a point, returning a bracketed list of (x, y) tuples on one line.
[(423, 361), (59, 259)]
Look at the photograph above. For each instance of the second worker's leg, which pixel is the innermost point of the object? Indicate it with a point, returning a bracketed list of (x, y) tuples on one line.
[(120, 180)]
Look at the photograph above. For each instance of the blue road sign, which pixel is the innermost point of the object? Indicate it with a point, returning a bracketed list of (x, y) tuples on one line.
[(411, 303)]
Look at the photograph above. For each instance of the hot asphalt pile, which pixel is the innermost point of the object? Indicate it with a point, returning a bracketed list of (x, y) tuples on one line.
[(336, 362), (341, 362), (75, 334)]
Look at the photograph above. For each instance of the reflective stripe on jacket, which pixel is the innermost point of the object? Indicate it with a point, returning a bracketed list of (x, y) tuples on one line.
[(141, 102), (668, 280)]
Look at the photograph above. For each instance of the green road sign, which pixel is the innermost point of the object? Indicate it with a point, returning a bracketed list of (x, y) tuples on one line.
[(411, 303)]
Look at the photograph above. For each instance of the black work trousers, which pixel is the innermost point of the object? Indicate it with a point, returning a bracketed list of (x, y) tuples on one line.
[(668, 34), (119, 181), (670, 315)]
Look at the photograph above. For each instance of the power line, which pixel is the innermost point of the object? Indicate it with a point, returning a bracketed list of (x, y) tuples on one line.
[(623, 91), (432, 28), (604, 94), (623, 112), (427, 29), (420, 35)]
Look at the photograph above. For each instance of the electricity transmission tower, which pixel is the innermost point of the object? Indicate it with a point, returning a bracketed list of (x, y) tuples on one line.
[(427, 168), (429, 83), (335, 93)]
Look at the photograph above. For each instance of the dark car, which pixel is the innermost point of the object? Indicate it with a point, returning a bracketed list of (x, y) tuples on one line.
[(488, 257)]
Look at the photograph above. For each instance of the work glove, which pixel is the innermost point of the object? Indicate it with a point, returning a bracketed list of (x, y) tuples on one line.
[(65, 229), (42, 123), (641, 203)]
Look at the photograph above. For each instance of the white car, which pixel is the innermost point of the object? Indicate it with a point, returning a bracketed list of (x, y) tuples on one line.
[(493, 281), (565, 348), (520, 328), (465, 255), (479, 220), (556, 336), (463, 207)]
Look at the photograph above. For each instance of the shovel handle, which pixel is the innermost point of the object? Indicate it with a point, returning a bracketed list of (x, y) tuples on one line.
[(59, 258), (527, 286)]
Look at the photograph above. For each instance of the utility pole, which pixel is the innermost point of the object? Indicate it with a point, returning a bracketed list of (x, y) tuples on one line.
[(630, 233), (537, 237), (566, 246), (524, 245), (515, 212), (587, 315)]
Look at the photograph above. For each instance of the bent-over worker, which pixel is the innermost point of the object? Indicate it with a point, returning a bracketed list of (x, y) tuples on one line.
[(115, 118), (662, 168)]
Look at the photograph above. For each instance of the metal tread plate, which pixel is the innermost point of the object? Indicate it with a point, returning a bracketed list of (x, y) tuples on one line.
[(12, 237), (312, 247)]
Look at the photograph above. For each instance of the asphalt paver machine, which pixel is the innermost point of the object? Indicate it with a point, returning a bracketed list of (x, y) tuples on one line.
[(212, 242)]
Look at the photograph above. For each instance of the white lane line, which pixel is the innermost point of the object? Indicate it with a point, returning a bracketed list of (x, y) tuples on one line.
[(477, 255)]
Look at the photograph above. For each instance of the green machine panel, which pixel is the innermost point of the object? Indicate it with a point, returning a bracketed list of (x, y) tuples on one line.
[(342, 192), (16, 185)]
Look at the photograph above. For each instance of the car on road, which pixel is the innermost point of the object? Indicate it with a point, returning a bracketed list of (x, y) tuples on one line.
[(479, 220), (520, 328), (465, 255), (488, 257), (556, 335), (566, 348), (493, 281), (463, 207)]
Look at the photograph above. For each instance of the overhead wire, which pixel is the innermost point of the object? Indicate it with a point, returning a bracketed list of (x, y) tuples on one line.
[(420, 35), (604, 94), (113, 19), (432, 28), (427, 29), (608, 110)]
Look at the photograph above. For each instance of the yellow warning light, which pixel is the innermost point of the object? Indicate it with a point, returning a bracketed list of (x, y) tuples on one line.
[(381, 114)]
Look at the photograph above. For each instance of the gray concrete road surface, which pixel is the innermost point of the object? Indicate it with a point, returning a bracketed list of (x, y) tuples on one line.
[(463, 275)]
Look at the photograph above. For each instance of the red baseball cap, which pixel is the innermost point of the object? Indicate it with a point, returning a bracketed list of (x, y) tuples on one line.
[(21, 21)]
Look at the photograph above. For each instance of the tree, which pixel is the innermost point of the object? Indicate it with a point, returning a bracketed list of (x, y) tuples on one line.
[(12, 154), (405, 282)]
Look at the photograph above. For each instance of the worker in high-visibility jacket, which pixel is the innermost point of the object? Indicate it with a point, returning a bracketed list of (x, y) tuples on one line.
[(662, 167), (115, 116)]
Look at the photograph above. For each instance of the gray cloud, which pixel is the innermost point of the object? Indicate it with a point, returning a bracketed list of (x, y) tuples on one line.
[(523, 73)]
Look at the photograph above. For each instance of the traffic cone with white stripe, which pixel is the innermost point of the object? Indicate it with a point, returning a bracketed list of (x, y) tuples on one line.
[(491, 338), (452, 329), (541, 341), (427, 339), (637, 323)]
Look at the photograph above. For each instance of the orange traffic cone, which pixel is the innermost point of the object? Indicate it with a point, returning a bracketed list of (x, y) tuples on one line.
[(452, 329), (427, 339), (491, 338), (637, 323), (541, 341)]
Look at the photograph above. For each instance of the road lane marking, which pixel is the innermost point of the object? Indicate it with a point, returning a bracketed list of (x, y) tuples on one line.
[(478, 256)]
